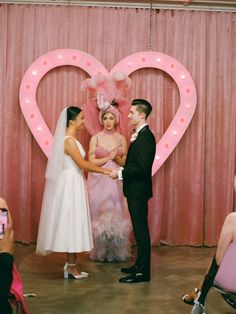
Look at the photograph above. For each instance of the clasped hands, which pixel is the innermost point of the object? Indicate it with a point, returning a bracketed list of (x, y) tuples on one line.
[(112, 173)]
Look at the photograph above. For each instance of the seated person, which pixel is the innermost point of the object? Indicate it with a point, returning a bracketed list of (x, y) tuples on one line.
[(6, 264), (198, 296)]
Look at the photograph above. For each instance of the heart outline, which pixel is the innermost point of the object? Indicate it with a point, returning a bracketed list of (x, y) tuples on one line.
[(129, 64)]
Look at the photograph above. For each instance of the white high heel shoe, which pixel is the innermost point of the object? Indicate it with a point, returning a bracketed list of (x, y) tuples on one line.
[(69, 275)]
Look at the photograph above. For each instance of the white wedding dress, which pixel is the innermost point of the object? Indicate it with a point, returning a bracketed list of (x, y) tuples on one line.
[(65, 221)]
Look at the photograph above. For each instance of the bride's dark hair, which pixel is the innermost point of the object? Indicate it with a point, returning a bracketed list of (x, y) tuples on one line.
[(72, 113)]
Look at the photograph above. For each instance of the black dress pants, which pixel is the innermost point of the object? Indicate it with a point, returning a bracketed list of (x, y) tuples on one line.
[(138, 210)]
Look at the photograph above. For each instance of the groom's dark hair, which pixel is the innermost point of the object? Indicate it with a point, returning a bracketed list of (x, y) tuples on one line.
[(143, 106)]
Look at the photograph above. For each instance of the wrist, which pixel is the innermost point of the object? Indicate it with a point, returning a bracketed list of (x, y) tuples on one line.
[(119, 172)]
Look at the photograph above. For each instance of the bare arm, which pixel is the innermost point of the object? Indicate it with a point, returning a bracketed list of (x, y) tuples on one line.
[(121, 160), (72, 150)]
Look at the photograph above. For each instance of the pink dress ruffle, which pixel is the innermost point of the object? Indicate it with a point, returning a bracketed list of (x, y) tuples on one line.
[(110, 223)]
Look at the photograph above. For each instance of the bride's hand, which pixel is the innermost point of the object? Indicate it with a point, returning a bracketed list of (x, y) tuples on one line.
[(106, 171)]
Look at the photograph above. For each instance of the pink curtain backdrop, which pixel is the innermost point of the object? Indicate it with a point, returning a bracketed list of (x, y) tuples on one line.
[(193, 191)]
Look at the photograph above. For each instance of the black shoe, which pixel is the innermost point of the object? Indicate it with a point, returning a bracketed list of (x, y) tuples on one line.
[(230, 299), (135, 278), (129, 270)]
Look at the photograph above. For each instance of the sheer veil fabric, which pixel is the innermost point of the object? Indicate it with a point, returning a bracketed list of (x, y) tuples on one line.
[(55, 162)]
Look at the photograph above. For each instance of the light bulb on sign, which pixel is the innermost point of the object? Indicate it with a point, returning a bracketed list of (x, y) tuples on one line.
[(129, 64)]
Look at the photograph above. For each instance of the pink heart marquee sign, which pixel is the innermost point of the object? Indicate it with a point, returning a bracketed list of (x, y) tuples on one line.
[(92, 66)]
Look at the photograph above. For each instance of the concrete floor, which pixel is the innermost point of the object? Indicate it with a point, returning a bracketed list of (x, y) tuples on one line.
[(175, 271)]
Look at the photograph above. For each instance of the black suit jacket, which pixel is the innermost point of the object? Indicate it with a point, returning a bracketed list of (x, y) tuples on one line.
[(137, 173)]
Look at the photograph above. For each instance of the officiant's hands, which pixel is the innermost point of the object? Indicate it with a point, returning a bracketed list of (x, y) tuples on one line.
[(113, 154)]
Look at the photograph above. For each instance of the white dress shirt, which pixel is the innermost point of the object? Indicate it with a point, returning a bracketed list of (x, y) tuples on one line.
[(120, 177)]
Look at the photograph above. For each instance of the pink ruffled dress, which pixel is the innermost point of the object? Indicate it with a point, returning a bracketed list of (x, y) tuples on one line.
[(110, 223)]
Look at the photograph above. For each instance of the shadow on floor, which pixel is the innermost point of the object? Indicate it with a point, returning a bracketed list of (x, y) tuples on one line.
[(175, 270)]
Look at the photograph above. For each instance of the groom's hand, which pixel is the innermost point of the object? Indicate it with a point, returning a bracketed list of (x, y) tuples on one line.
[(113, 174)]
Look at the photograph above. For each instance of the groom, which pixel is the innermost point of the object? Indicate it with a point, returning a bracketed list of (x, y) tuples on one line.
[(137, 187)]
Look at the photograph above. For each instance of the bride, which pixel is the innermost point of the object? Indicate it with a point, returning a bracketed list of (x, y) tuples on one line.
[(65, 219)]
